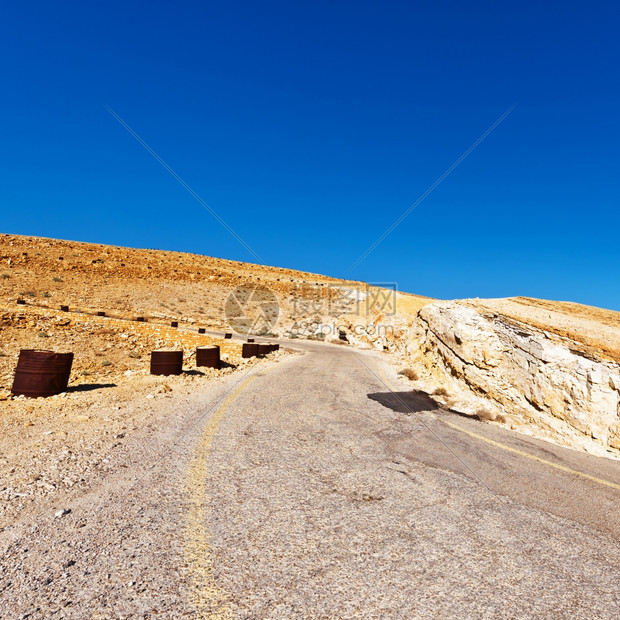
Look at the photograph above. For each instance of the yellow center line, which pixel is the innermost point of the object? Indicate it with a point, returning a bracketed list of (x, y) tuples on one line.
[(497, 444), (208, 598), (522, 453)]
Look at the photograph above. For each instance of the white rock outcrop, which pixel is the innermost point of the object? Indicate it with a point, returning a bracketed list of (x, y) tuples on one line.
[(541, 380)]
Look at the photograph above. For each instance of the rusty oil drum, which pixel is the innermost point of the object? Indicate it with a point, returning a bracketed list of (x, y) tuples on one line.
[(263, 348), (249, 349), (41, 373), (250, 339), (166, 362), (101, 313), (174, 324), (201, 330), (64, 308), (228, 336), (208, 356)]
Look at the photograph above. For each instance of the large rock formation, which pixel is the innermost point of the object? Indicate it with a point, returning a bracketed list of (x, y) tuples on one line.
[(560, 376)]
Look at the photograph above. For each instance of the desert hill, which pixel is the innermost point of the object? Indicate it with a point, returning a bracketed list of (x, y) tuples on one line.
[(542, 367), (161, 286)]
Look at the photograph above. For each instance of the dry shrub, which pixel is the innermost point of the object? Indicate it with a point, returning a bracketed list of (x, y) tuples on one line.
[(412, 375), (489, 416), (441, 391)]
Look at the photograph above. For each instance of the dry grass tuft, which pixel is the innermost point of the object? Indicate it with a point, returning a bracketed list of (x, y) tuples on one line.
[(412, 375), (489, 416), (441, 391)]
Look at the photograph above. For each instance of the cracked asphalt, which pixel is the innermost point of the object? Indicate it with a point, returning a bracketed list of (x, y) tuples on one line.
[(305, 490)]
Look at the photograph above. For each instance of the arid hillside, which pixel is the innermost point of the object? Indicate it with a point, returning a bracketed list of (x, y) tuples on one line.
[(164, 285), (546, 368), (160, 284), (161, 287)]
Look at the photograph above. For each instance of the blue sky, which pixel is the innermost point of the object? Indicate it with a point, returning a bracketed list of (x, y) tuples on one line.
[(311, 127)]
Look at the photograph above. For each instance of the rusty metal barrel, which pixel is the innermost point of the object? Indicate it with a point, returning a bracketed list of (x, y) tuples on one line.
[(140, 319), (201, 330), (275, 347), (174, 324), (208, 356), (64, 308), (249, 349), (21, 302), (250, 339), (41, 373), (263, 348), (166, 362), (101, 313), (228, 336)]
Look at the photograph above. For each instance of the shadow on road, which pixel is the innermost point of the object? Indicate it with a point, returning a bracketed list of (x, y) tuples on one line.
[(88, 387), (405, 402)]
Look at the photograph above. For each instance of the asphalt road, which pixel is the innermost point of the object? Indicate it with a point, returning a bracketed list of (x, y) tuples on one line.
[(330, 497), (308, 489)]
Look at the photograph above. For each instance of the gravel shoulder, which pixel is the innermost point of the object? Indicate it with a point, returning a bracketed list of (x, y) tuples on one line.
[(95, 531)]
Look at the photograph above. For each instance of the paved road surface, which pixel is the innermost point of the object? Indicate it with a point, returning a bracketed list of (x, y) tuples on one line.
[(311, 491)]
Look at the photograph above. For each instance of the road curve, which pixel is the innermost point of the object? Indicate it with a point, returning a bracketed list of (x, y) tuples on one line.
[(328, 496), (320, 486)]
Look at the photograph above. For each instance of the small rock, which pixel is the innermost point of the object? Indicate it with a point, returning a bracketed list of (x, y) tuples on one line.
[(62, 512), (150, 396)]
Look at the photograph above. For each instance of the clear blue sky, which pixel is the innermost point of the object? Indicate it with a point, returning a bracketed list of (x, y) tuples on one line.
[(310, 127)]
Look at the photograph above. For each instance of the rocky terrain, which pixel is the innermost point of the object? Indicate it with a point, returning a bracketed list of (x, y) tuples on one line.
[(49, 446), (545, 368)]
